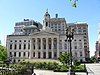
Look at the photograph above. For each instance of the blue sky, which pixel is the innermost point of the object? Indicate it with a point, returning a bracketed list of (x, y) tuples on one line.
[(12, 11)]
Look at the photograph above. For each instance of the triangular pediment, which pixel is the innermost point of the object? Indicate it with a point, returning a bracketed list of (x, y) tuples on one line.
[(43, 33)]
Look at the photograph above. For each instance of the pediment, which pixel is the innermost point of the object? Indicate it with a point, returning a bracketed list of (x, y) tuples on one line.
[(44, 33)]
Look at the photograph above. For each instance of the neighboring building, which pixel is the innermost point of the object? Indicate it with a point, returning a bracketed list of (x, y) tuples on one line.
[(97, 52), (26, 27), (49, 42), (97, 45)]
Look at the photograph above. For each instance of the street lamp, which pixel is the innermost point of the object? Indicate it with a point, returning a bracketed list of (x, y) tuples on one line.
[(70, 36)]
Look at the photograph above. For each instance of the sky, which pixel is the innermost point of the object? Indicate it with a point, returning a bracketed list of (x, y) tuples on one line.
[(12, 11)]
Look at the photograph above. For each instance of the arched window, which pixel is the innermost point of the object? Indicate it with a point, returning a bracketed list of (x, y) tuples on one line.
[(15, 47), (10, 46), (46, 24), (19, 46)]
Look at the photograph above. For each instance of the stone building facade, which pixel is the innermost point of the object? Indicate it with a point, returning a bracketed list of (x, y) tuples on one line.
[(32, 42)]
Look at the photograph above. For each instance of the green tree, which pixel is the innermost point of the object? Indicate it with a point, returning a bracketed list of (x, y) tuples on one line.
[(93, 59), (3, 53), (64, 58), (76, 63), (74, 2)]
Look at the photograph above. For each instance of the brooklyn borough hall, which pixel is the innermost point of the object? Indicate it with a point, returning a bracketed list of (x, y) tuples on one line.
[(32, 40)]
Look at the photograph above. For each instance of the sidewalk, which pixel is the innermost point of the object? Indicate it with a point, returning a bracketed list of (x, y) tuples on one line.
[(48, 72)]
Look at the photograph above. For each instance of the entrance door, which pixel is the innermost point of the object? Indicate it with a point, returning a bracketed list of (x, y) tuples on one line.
[(39, 55), (44, 54), (49, 54)]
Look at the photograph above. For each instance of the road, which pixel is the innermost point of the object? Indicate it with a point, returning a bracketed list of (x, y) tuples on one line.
[(48, 72), (93, 69)]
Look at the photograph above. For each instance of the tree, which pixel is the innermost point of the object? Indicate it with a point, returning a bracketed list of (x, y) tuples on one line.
[(76, 63), (74, 2), (3, 53), (64, 58), (93, 59)]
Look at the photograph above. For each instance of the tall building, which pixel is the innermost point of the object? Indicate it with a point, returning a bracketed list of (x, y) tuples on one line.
[(48, 42), (97, 45)]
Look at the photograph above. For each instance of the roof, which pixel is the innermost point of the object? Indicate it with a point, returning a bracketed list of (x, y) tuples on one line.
[(58, 19)]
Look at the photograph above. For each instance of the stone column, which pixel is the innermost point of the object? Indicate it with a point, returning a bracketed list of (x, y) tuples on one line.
[(22, 54), (31, 48), (17, 54), (41, 48), (57, 47), (52, 47), (22, 46), (46, 47), (36, 53)]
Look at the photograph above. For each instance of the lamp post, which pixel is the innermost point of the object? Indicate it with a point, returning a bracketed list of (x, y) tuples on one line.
[(70, 36)]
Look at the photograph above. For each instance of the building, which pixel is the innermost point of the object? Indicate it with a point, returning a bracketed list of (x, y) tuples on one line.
[(97, 45), (97, 52), (47, 43)]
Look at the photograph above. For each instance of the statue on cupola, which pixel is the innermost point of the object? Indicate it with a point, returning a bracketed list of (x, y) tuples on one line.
[(46, 21)]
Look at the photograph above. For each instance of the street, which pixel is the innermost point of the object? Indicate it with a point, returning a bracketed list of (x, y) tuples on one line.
[(93, 69)]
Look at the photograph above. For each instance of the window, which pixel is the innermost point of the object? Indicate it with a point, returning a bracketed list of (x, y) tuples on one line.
[(10, 53), (75, 54), (19, 54), (74, 40), (80, 45), (20, 41), (28, 54), (79, 29), (46, 24), (24, 54), (58, 29), (44, 46), (55, 46), (33, 54), (24, 40), (28, 46), (49, 46), (84, 30), (65, 46), (84, 27), (80, 53), (10, 40), (14, 54), (55, 54), (19, 46), (84, 36), (39, 46), (24, 46), (28, 40), (10, 46), (55, 29), (75, 47), (33, 46), (15, 40), (15, 46)]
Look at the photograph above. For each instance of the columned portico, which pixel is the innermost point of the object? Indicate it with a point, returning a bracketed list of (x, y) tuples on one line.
[(44, 48)]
